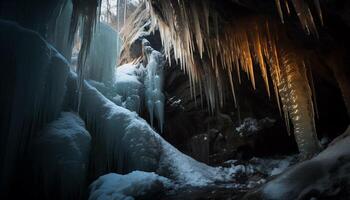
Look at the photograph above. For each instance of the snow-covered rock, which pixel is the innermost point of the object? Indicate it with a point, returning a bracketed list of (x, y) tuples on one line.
[(326, 175), (59, 158), (32, 87), (131, 186), (129, 86)]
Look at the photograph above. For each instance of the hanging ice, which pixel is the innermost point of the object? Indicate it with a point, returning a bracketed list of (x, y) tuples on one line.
[(154, 84), (102, 57)]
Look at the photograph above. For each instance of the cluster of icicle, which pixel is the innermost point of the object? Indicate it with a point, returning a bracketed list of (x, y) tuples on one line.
[(302, 9), (190, 35), (154, 84), (85, 15)]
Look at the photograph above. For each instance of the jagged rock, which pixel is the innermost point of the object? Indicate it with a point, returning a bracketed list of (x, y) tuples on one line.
[(325, 176)]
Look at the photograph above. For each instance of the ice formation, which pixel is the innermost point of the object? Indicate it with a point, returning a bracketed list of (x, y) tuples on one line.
[(33, 89), (154, 84), (142, 84), (60, 28), (123, 142), (302, 8), (59, 158), (297, 104), (102, 57)]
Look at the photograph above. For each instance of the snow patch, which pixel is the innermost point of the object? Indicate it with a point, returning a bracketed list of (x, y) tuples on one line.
[(134, 185)]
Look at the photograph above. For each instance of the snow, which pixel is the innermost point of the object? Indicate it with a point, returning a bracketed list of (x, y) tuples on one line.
[(129, 86), (251, 126), (130, 186), (59, 157)]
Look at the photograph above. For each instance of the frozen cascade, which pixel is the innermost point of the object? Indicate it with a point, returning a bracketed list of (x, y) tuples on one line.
[(59, 158), (123, 142), (32, 85), (140, 84), (154, 84), (102, 57)]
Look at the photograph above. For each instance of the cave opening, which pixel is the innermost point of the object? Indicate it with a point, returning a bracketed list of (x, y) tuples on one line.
[(174, 99)]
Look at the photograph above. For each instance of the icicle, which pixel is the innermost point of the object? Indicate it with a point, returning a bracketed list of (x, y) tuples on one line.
[(297, 101), (279, 8), (125, 10)]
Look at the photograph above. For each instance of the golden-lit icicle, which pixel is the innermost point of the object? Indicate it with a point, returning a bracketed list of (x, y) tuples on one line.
[(287, 7), (279, 9), (260, 58), (232, 88), (296, 97)]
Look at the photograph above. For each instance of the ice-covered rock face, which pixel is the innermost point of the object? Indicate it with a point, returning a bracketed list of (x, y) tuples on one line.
[(59, 158), (32, 85), (102, 57)]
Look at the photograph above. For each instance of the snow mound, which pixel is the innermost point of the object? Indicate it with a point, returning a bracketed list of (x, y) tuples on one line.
[(134, 185), (60, 158)]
